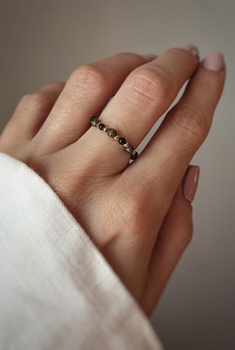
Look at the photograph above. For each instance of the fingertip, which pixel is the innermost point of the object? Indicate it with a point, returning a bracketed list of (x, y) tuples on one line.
[(192, 49), (214, 62)]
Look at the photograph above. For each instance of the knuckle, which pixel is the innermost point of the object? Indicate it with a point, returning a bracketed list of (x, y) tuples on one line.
[(184, 237), (135, 206), (181, 233), (191, 122), (88, 77), (149, 84), (131, 208), (135, 212)]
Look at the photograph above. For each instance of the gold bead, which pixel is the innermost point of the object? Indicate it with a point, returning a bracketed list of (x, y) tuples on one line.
[(126, 145), (105, 129), (116, 138)]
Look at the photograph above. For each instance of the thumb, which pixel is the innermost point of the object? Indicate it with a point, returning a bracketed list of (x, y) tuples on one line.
[(174, 236)]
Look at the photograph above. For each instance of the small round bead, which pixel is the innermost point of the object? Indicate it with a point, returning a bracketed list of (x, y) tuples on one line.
[(94, 121), (101, 126), (105, 129), (116, 138), (130, 149), (122, 141), (126, 145), (112, 133), (134, 155)]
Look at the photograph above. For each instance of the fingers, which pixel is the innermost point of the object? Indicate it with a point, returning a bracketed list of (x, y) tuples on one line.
[(184, 129), (86, 93), (31, 112), (147, 93), (143, 98), (174, 237)]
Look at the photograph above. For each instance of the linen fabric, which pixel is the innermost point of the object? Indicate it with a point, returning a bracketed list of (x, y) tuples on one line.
[(56, 289)]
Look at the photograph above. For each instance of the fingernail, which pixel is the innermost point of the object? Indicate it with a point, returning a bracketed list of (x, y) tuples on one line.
[(192, 49), (214, 61), (191, 182), (149, 57)]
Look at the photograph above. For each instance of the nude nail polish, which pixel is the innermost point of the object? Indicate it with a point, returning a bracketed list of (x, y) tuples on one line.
[(214, 61), (192, 49), (191, 182)]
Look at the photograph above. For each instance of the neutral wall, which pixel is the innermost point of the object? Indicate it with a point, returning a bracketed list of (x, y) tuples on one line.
[(43, 41)]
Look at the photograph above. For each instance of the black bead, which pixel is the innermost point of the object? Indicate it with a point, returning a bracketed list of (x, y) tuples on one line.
[(134, 156), (101, 126), (94, 121), (122, 141)]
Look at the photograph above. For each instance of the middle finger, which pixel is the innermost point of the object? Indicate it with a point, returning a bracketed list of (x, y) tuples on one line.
[(143, 98)]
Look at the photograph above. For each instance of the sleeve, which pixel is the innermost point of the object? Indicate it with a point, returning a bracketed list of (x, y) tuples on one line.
[(56, 289)]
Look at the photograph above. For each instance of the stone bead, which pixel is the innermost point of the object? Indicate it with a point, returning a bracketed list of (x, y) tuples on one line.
[(94, 121), (134, 155), (129, 149), (111, 132), (122, 141), (101, 126)]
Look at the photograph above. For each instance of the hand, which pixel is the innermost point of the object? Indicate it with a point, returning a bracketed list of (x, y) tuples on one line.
[(134, 214)]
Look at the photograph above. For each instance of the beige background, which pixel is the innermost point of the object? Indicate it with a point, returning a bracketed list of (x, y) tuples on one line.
[(43, 41)]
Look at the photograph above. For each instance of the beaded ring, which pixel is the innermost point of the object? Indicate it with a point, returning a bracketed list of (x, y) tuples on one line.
[(113, 133)]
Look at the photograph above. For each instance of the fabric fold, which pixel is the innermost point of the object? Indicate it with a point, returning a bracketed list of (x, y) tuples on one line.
[(56, 289)]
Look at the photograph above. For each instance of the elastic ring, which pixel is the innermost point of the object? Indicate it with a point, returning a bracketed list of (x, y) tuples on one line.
[(113, 134)]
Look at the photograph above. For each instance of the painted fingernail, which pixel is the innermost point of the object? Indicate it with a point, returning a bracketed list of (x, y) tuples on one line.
[(192, 49), (214, 61), (191, 182), (149, 57)]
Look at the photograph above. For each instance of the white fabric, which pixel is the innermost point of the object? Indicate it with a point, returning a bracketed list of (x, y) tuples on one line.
[(56, 289)]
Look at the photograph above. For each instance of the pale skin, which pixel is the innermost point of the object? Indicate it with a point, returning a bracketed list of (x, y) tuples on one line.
[(134, 214)]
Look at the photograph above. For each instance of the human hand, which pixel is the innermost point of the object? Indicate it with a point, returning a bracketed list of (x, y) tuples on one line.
[(134, 214)]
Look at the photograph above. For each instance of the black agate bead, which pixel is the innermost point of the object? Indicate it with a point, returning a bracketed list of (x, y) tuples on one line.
[(101, 126), (134, 155), (122, 141)]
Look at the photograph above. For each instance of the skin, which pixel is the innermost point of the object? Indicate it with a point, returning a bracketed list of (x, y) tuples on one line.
[(136, 215)]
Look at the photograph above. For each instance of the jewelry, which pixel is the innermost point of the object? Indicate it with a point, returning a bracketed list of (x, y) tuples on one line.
[(113, 134)]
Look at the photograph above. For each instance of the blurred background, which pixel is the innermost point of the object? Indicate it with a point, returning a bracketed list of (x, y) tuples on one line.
[(43, 41)]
